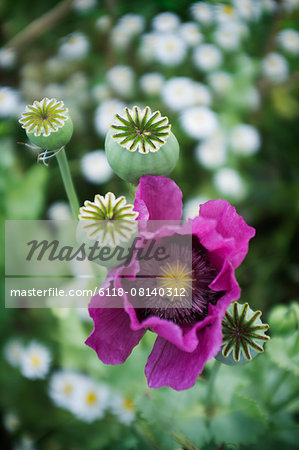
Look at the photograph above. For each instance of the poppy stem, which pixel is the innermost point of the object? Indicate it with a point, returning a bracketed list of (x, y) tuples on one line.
[(68, 182), (210, 387)]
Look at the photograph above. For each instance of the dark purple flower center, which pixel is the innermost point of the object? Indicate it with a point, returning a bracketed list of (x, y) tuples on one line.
[(189, 272)]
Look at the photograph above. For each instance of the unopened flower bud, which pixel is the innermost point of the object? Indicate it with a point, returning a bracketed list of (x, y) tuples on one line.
[(243, 335), (140, 143), (283, 319), (47, 124)]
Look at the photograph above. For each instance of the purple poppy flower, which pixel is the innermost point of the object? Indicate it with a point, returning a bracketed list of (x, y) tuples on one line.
[(186, 338)]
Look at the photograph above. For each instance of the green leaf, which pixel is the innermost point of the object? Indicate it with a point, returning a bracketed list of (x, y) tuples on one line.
[(241, 423), (284, 352), (180, 415), (24, 198)]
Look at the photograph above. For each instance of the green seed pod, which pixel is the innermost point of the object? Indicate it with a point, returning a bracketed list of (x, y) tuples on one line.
[(47, 124), (243, 335), (140, 143), (111, 223)]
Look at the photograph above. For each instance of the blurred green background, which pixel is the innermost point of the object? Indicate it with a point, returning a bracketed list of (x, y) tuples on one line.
[(97, 56)]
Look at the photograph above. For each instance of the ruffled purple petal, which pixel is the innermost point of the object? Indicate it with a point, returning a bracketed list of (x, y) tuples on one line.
[(169, 366), (112, 338), (222, 231), (159, 197)]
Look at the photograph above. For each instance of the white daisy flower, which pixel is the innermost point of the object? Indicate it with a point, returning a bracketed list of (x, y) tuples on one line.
[(248, 9), (105, 113), (289, 41), (269, 6), (76, 89), (227, 36), (151, 83), (202, 12), (207, 57), (290, 5), (199, 122), (123, 408), (84, 5), (221, 82), (166, 22), (10, 103), (95, 167), (134, 24), (211, 153), (190, 33), (147, 47), (13, 350), (170, 50), (191, 206), (74, 47), (90, 401), (55, 67), (53, 90), (225, 13), (11, 422), (229, 183), (62, 387), (35, 361), (24, 443), (120, 39), (100, 92), (245, 139), (178, 93), (59, 210), (202, 94), (8, 58), (121, 80), (103, 23), (275, 67)]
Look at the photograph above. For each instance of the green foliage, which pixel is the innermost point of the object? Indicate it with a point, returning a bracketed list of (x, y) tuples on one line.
[(252, 407)]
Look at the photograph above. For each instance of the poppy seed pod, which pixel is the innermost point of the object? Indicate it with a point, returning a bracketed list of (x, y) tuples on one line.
[(110, 222), (140, 143), (243, 335), (47, 124)]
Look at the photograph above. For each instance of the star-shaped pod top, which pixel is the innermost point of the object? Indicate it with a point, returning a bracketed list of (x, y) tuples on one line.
[(140, 142), (47, 124)]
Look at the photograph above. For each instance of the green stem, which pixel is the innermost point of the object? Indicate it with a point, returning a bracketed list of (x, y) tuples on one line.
[(68, 182), (211, 385), (132, 191)]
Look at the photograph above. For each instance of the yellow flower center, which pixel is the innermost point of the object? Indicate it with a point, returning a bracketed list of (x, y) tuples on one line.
[(91, 398), (35, 360), (228, 9), (128, 404), (67, 389), (170, 46)]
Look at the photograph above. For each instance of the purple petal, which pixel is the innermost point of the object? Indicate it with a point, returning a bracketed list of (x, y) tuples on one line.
[(223, 232), (169, 366), (160, 197), (112, 338)]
